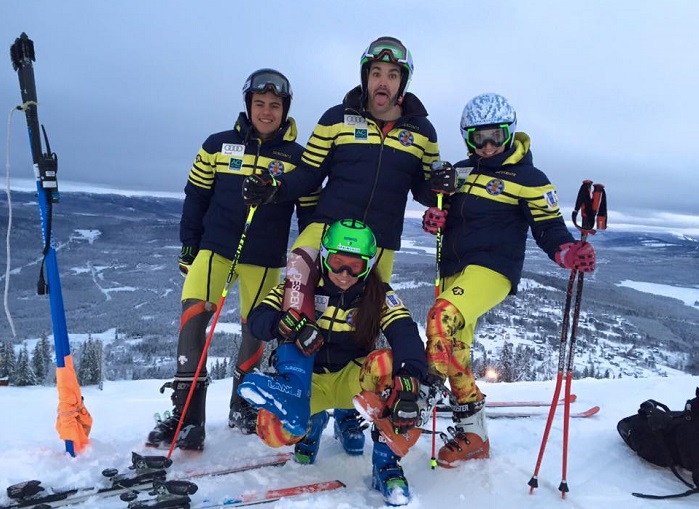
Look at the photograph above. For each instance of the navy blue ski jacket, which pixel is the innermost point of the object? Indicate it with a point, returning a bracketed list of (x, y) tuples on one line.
[(334, 312), (495, 205), (369, 174), (214, 212)]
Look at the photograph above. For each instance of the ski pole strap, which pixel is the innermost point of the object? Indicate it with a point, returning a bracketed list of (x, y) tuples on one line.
[(592, 205), (599, 203)]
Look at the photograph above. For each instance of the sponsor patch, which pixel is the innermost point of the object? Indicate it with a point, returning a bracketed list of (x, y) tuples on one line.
[(235, 164), (457, 290), (551, 199), (361, 134), (461, 176), (495, 187), (350, 317), (355, 120), (406, 138), (321, 302), (233, 149), (276, 168), (393, 301)]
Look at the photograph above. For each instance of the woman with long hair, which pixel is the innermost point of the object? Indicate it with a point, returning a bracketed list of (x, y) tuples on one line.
[(324, 361)]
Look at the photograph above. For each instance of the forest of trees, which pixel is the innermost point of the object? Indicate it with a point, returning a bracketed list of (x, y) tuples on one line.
[(39, 367)]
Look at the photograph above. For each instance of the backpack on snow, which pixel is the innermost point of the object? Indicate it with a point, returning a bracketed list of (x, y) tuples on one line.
[(666, 438)]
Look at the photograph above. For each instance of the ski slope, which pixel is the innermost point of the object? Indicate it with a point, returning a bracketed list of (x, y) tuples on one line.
[(602, 471)]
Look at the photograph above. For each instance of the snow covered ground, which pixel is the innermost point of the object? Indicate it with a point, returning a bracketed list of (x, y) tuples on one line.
[(602, 471)]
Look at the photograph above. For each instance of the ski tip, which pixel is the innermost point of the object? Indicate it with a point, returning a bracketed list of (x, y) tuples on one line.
[(590, 411)]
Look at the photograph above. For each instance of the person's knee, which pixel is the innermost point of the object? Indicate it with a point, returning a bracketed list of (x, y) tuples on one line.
[(377, 370)]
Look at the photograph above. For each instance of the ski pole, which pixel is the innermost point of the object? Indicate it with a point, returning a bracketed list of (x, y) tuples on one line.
[(594, 210), (589, 203), (437, 284), (224, 294)]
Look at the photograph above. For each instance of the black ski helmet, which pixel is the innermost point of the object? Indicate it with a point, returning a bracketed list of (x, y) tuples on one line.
[(264, 80)]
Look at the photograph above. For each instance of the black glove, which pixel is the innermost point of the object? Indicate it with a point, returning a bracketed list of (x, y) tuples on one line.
[(186, 258), (402, 406), (259, 189), (443, 178), (295, 327)]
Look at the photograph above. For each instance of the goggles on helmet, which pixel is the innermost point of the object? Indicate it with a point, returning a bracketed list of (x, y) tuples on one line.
[(387, 50), (478, 137), (265, 80), (356, 266)]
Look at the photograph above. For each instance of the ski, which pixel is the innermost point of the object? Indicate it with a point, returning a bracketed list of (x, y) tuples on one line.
[(534, 413), (145, 471), (169, 496), (511, 404), (515, 414)]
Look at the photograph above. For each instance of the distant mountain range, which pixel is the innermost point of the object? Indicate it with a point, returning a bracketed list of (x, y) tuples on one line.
[(117, 258)]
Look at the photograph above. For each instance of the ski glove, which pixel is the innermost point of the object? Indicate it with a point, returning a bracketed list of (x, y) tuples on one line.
[(295, 327), (434, 220), (577, 256), (260, 189), (443, 179), (186, 258), (402, 406)]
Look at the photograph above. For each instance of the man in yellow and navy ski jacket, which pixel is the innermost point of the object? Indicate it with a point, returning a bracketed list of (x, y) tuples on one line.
[(213, 215), (370, 173)]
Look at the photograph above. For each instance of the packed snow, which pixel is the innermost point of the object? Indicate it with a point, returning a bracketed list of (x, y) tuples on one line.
[(602, 470)]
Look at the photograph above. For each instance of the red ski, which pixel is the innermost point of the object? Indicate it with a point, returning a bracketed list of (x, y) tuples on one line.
[(274, 495), (535, 413), (511, 404)]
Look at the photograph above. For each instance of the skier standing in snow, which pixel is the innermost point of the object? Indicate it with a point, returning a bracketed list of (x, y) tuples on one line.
[(493, 198), (213, 217), (338, 345), (374, 148)]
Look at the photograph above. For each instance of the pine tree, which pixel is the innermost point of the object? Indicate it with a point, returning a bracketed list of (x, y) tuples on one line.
[(506, 364), (90, 362), (39, 364), (24, 375), (8, 361)]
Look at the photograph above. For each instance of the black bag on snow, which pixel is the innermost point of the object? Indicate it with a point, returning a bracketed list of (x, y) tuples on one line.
[(666, 438)]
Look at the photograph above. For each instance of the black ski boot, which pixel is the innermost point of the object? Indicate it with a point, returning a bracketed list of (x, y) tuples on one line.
[(192, 434)]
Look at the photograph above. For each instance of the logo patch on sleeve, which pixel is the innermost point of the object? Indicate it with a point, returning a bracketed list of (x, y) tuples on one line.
[(393, 301), (551, 199)]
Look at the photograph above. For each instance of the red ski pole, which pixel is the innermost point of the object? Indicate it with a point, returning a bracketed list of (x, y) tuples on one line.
[(224, 294)]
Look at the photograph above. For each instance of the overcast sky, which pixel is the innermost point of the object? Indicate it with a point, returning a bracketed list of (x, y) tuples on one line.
[(607, 90)]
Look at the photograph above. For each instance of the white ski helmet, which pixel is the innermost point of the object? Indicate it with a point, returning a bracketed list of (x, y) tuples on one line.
[(491, 110)]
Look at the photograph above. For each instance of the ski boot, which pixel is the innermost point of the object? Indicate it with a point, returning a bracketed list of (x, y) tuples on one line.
[(469, 436), (192, 434), (243, 417), (241, 414), (349, 430), (306, 450), (387, 475), (286, 393)]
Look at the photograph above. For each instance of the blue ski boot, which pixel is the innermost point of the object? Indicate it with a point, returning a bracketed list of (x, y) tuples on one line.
[(387, 475), (348, 429), (306, 450), (286, 393)]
